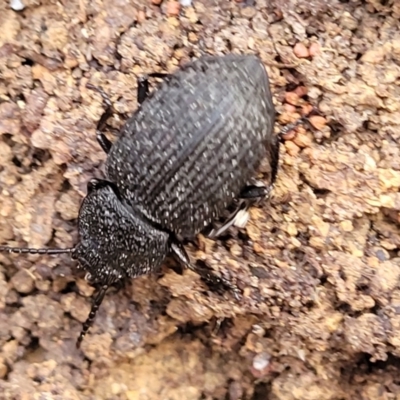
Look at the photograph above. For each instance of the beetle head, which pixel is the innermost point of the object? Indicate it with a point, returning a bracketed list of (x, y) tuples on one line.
[(115, 243)]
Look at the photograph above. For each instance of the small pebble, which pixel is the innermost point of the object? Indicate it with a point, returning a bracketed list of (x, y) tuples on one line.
[(23, 282), (258, 249), (302, 140), (17, 5), (192, 37), (289, 108), (235, 391), (141, 16), (301, 51), (236, 250), (382, 255), (59, 284), (346, 226), (173, 8), (3, 368), (292, 149), (258, 330), (41, 371), (317, 121), (314, 49), (290, 135), (117, 388), (84, 288), (261, 361), (306, 109), (292, 98), (301, 91)]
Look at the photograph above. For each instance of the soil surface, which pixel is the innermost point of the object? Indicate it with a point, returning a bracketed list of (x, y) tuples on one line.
[(318, 265)]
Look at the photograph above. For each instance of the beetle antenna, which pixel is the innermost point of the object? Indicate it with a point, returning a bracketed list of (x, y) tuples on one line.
[(89, 321), (28, 250)]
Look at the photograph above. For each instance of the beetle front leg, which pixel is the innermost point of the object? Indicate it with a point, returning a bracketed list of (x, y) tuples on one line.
[(206, 274), (102, 139)]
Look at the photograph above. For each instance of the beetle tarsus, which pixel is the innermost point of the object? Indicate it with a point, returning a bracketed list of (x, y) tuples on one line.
[(255, 192), (216, 283), (103, 141)]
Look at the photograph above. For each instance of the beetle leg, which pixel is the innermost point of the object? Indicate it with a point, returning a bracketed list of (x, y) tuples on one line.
[(102, 139), (143, 85), (274, 157), (300, 121), (239, 215), (142, 89), (205, 273), (305, 119), (250, 195), (255, 192)]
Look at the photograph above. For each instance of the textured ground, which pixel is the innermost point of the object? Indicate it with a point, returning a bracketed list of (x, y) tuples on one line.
[(319, 265)]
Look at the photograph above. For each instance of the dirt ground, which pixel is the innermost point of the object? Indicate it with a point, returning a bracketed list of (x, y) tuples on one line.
[(319, 265)]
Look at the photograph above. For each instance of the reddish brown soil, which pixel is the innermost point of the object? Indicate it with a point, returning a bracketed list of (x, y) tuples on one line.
[(319, 265)]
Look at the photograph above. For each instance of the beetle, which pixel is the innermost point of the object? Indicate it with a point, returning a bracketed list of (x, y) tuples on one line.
[(188, 152)]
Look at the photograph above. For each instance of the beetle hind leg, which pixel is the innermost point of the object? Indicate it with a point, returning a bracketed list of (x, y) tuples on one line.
[(143, 85), (249, 196)]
